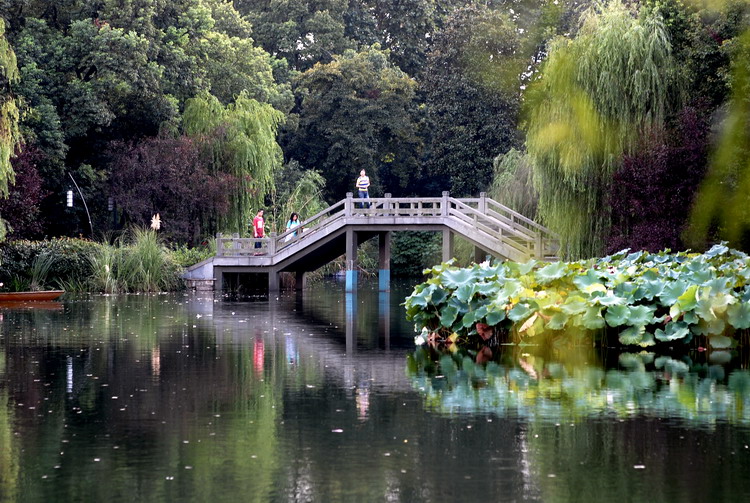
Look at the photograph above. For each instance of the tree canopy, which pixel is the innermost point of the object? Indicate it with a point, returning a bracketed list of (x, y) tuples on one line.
[(594, 117)]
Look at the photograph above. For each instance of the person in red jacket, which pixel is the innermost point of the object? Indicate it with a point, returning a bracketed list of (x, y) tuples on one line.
[(258, 226)]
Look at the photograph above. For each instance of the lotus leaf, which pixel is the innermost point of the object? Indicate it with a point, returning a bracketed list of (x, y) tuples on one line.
[(592, 318), (672, 292), (703, 294), (716, 250), (608, 299), (617, 315), (672, 332), (510, 290), (640, 315), (495, 315), (558, 321), (583, 281), (448, 316), (574, 305), (520, 311), (551, 272), (474, 316), (739, 315), (689, 299), (457, 277), (651, 288), (632, 335), (647, 340), (465, 292)]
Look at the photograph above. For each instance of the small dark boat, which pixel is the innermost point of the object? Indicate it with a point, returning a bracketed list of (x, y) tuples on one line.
[(44, 295)]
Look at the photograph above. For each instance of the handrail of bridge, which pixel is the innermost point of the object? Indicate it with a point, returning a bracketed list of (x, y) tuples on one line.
[(497, 221)]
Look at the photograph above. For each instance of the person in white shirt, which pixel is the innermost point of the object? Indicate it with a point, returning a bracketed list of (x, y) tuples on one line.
[(363, 184)]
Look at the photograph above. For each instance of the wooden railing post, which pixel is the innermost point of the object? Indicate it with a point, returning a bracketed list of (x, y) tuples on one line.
[(444, 204), (387, 204), (482, 203), (219, 245), (348, 204)]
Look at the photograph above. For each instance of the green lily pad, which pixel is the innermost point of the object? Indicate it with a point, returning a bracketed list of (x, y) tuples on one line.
[(641, 315), (738, 315), (617, 315), (551, 272), (632, 335), (672, 332)]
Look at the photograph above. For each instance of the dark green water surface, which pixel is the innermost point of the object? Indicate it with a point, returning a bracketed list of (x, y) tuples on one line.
[(322, 397)]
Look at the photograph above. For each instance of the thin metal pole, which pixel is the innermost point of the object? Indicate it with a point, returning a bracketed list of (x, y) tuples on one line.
[(84, 203)]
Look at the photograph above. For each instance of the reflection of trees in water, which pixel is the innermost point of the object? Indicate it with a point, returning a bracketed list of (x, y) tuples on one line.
[(576, 383), (8, 451), (150, 391)]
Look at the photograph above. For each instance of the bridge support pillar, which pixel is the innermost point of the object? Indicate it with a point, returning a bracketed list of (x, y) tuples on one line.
[(447, 245), (351, 261), (273, 281), (218, 279), (384, 256), (299, 280), (479, 255)]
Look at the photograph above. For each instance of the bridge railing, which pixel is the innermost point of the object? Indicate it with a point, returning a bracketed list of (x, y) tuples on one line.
[(537, 240), (499, 222)]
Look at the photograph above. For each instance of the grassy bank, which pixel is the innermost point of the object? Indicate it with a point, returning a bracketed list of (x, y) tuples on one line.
[(136, 262)]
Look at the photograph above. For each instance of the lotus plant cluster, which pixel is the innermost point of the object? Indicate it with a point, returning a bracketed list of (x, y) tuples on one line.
[(640, 298)]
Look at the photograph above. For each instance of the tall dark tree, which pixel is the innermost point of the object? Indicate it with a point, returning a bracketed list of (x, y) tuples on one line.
[(21, 209), (302, 32), (472, 92), (358, 113), (652, 192), (168, 176)]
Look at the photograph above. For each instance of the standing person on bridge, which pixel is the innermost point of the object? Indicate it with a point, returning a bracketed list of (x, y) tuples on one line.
[(363, 184), (291, 224), (258, 227)]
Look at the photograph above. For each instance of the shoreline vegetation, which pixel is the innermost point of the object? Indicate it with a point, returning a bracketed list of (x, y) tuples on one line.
[(138, 261), (635, 299)]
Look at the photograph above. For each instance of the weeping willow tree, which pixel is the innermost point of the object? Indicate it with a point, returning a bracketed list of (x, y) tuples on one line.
[(302, 194), (9, 133), (722, 205), (596, 95), (512, 184), (241, 138)]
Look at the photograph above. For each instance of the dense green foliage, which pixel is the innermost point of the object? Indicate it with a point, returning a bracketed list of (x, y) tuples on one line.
[(642, 298), (362, 92), (598, 93), (242, 144), (137, 262), (70, 264), (723, 198), (9, 133), (471, 85)]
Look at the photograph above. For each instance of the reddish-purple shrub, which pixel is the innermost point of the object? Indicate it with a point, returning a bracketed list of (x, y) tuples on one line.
[(167, 176), (21, 208), (653, 190)]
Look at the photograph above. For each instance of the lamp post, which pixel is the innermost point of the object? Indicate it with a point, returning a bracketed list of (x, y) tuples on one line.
[(70, 202)]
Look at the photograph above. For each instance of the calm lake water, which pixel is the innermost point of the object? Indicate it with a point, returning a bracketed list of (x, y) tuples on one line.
[(322, 397)]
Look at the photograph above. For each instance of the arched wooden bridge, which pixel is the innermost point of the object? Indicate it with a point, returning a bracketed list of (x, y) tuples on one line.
[(494, 229)]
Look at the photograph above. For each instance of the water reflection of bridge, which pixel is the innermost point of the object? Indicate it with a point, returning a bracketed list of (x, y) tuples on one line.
[(334, 339), (492, 228)]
